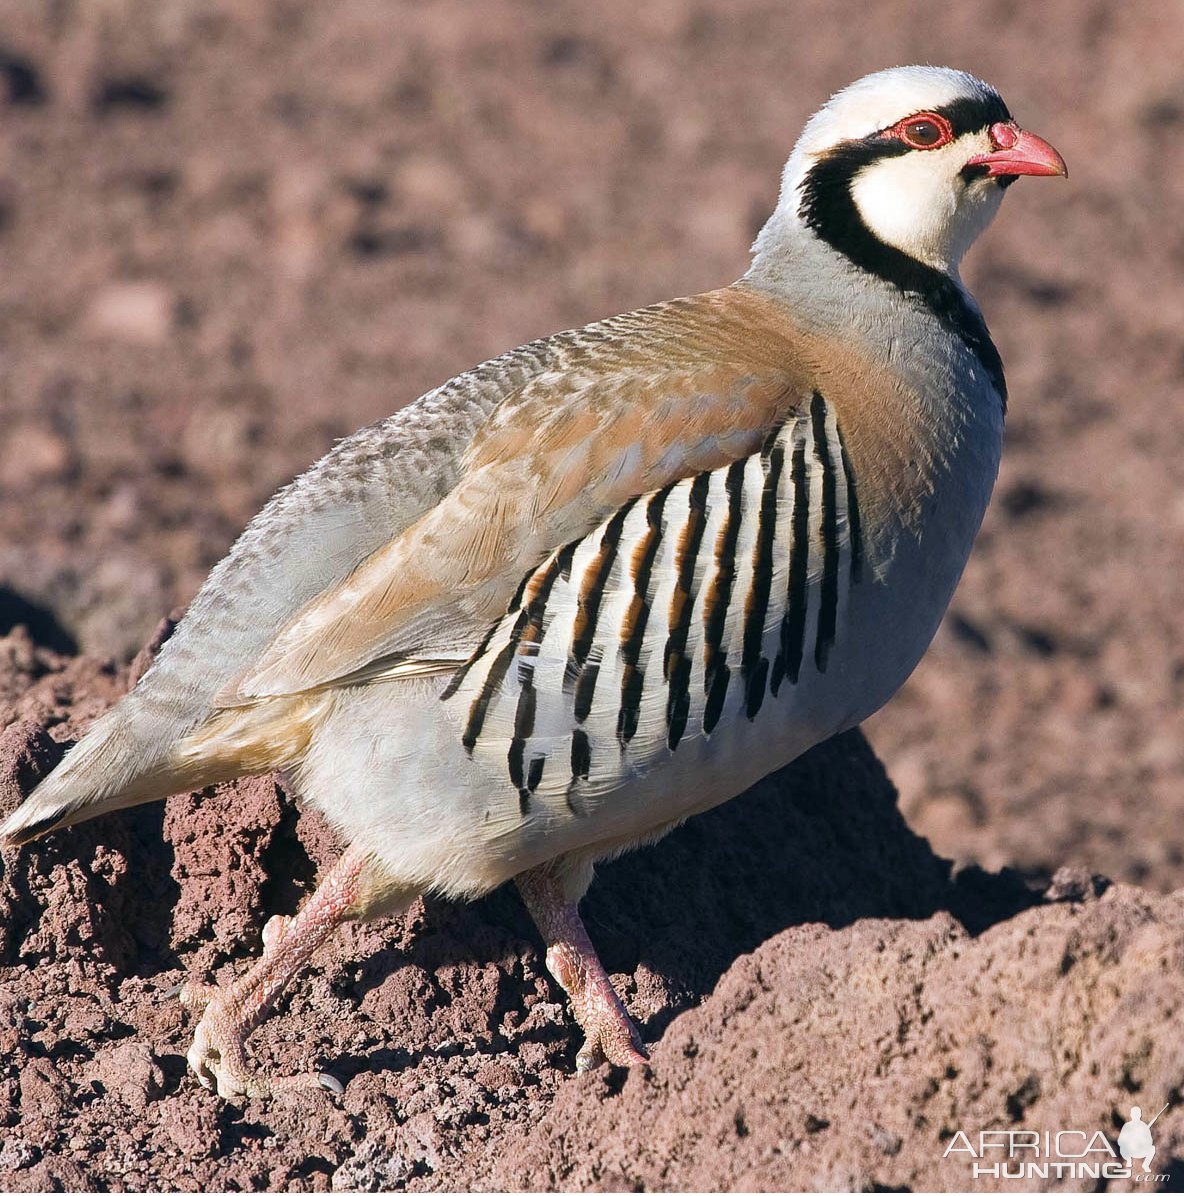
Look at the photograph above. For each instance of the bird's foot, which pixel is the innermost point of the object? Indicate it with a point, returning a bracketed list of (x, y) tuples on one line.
[(609, 1032), (218, 1055)]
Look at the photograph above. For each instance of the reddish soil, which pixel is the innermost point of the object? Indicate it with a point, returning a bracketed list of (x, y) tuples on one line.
[(231, 233)]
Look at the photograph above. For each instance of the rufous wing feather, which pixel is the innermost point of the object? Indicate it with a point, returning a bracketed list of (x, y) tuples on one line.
[(697, 387)]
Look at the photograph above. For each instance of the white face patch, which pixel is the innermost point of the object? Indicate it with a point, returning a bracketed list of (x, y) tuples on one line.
[(919, 202)]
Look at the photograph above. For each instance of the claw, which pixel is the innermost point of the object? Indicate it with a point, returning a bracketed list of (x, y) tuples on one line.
[(605, 1046), (589, 1058)]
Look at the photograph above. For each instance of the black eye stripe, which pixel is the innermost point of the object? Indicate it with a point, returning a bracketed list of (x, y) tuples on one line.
[(967, 115), (971, 114)]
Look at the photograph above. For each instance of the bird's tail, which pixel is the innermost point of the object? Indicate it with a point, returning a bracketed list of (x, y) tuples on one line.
[(123, 760), (134, 755)]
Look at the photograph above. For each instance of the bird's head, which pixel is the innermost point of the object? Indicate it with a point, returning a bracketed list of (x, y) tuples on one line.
[(911, 161)]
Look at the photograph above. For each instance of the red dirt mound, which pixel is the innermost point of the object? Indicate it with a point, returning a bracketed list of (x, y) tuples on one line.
[(901, 1003), (443, 1022)]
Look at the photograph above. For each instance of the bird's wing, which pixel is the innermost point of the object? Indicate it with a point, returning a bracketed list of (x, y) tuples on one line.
[(647, 399)]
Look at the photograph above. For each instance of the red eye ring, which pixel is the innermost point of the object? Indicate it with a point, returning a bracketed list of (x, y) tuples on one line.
[(923, 131)]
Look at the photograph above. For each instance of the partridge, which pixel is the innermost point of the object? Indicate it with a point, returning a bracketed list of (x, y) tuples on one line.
[(609, 579)]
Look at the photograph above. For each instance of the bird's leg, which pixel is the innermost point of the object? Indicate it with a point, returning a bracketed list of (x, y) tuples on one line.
[(218, 1054), (609, 1033)]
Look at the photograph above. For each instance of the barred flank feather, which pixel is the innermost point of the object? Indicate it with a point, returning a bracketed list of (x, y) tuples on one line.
[(685, 611)]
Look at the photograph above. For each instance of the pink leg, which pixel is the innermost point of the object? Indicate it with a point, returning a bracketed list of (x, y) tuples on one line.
[(218, 1054), (572, 960)]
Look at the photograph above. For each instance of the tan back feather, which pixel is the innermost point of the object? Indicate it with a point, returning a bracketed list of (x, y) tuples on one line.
[(642, 400)]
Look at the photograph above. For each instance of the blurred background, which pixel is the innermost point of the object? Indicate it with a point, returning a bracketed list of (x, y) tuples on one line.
[(231, 232)]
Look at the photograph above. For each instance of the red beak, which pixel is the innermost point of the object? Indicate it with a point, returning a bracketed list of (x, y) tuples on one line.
[(1019, 152)]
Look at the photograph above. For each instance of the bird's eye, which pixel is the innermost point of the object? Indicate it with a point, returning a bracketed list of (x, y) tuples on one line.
[(927, 131), (923, 133)]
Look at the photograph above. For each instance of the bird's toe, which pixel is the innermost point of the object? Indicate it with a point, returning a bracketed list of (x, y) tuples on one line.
[(627, 1055), (617, 1040), (218, 1059), (274, 929), (590, 1055), (193, 995)]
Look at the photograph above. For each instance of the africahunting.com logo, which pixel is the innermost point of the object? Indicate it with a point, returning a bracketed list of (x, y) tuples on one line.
[(1026, 1155)]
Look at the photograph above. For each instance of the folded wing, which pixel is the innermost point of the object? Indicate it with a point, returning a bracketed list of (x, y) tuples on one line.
[(674, 391)]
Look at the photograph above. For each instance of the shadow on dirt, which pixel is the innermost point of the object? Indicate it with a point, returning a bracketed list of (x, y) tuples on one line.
[(821, 841)]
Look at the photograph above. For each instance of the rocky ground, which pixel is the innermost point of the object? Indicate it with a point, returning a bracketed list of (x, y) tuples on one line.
[(231, 233), (828, 1000)]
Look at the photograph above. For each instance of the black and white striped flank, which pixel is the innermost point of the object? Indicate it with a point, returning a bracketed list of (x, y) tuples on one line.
[(691, 608)]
